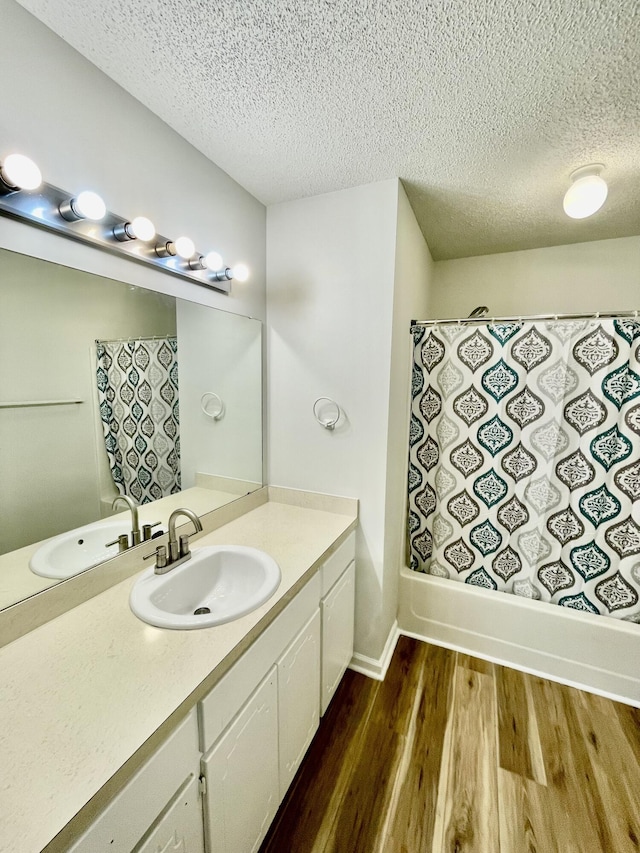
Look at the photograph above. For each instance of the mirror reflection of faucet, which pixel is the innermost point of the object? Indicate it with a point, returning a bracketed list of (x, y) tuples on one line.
[(124, 541)]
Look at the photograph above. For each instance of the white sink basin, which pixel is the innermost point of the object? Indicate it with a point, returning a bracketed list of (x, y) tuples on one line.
[(224, 582), (71, 553)]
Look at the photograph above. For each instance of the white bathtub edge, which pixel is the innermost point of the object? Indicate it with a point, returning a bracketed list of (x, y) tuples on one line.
[(600, 655)]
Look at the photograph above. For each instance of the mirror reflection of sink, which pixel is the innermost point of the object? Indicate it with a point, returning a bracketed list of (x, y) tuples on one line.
[(71, 553), (218, 584)]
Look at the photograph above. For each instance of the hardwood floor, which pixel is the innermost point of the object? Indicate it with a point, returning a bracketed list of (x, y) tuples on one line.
[(451, 754)]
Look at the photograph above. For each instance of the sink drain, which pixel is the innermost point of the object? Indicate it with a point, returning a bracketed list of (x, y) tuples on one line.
[(201, 611)]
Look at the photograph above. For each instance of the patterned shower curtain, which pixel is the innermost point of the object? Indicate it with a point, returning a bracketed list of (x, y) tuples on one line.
[(138, 396), (524, 472)]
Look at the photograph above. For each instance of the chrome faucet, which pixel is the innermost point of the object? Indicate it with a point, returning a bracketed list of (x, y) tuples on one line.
[(178, 550), (135, 524)]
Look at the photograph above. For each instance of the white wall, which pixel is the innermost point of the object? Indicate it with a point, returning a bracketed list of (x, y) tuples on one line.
[(413, 281), (331, 273), (583, 277), (85, 131), (219, 353)]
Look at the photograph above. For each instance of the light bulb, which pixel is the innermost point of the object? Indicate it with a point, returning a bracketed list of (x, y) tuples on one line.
[(586, 194), (213, 261), (20, 172), (185, 247), (88, 205), (240, 272), (142, 228), (139, 228)]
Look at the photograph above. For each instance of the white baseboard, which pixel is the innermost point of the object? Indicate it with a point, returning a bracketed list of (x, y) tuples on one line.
[(377, 667), (593, 653)]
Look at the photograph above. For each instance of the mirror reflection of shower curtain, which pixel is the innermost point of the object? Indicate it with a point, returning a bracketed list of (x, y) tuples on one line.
[(138, 397)]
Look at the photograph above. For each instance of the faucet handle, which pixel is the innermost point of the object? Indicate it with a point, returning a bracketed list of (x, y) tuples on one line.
[(161, 557), (184, 543), (122, 542), (146, 530)]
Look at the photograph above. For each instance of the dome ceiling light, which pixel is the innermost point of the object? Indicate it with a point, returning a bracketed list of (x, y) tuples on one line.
[(587, 193)]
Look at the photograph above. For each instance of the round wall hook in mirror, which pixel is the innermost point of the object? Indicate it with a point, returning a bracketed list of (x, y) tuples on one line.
[(332, 412), (212, 405)]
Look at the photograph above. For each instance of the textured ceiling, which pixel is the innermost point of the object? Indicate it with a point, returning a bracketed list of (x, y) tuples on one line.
[(481, 107)]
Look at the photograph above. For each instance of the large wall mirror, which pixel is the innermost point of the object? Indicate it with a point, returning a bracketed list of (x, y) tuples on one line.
[(107, 388)]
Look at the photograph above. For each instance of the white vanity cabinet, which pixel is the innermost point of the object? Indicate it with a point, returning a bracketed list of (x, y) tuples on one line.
[(159, 808), (241, 773), (181, 829), (298, 699), (337, 608), (257, 723), (243, 743)]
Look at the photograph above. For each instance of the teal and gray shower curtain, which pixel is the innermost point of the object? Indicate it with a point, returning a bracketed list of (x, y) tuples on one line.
[(138, 397), (524, 472)]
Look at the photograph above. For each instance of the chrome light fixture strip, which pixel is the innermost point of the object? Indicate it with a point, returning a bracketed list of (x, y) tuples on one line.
[(41, 207)]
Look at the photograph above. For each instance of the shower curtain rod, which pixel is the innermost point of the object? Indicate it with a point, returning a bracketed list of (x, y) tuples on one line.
[(597, 315), (134, 338)]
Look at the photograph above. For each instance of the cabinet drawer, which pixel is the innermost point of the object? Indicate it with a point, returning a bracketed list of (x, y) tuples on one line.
[(128, 817), (224, 701), (338, 562)]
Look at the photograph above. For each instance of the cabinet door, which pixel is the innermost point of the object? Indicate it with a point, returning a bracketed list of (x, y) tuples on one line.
[(126, 821), (298, 699), (180, 830), (241, 772), (337, 633)]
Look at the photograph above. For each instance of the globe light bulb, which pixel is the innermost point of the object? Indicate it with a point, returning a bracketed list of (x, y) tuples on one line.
[(240, 272), (20, 172), (89, 205), (587, 193), (213, 261), (185, 247), (142, 228)]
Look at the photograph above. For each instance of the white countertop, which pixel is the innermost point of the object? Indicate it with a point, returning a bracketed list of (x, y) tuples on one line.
[(82, 693)]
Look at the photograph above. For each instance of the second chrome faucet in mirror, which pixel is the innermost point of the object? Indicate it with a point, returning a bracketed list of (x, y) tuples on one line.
[(123, 541)]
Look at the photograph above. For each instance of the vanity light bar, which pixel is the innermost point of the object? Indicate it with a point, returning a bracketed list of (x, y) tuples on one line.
[(85, 218)]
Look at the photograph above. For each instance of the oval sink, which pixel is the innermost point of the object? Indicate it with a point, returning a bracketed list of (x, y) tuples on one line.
[(218, 584), (71, 553)]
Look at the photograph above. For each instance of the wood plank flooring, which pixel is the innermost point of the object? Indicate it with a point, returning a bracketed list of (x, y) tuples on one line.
[(451, 754)]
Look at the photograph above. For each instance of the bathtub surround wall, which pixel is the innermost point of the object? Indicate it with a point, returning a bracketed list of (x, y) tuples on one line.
[(346, 272), (600, 276)]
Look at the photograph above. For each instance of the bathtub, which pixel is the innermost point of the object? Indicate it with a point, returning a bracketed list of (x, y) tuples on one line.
[(594, 653)]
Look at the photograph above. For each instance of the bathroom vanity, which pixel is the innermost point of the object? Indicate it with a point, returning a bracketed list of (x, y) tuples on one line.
[(120, 736)]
